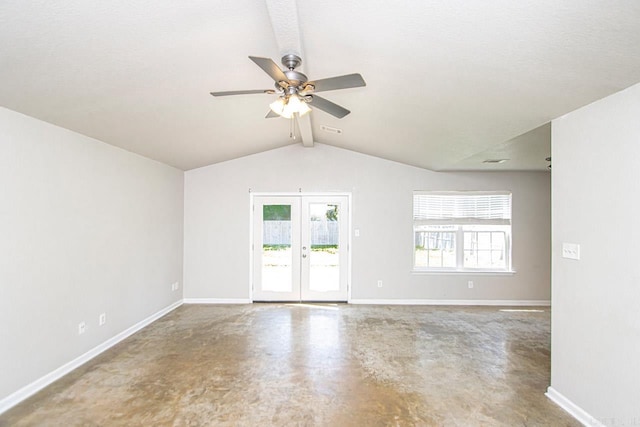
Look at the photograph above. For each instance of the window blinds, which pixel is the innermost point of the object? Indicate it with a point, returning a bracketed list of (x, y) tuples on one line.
[(462, 207)]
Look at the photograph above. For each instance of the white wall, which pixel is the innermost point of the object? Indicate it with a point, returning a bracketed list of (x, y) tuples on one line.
[(595, 361), (217, 258), (85, 228)]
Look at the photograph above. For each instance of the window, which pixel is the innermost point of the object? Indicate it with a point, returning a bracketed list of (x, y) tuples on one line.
[(462, 231)]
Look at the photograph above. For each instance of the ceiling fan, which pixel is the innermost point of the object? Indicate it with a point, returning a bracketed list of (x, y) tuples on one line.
[(296, 92)]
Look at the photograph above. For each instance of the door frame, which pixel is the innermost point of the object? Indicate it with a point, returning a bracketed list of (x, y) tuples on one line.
[(298, 194)]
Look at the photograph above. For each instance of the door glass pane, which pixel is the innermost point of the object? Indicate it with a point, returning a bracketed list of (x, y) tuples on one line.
[(277, 261), (324, 265)]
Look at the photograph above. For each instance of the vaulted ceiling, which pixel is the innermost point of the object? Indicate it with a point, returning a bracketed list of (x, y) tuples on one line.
[(449, 83)]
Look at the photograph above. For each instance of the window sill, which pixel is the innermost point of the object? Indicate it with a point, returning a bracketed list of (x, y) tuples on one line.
[(463, 273)]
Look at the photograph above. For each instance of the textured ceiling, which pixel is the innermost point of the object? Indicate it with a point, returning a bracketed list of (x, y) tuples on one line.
[(449, 84)]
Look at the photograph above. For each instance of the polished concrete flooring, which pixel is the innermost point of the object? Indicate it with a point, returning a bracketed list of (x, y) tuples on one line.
[(313, 365)]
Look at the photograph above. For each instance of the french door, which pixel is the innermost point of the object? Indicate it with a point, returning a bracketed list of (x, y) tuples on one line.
[(300, 248)]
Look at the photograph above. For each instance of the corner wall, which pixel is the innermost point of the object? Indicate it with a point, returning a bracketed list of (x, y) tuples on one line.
[(595, 356), (85, 228), (217, 259)]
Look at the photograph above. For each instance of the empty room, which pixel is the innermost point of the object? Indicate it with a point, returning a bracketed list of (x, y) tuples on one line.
[(281, 212)]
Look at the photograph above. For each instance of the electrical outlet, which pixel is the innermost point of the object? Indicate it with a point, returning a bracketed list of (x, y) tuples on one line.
[(470, 284), (102, 319), (379, 283), (82, 327), (175, 286)]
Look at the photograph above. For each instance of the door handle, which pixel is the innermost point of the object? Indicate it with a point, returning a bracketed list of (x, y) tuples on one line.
[(304, 255)]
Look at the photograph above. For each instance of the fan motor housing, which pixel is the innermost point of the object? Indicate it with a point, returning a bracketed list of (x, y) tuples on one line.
[(295, 77)]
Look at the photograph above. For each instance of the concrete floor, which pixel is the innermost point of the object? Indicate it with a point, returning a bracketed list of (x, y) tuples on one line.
[(313, 365)]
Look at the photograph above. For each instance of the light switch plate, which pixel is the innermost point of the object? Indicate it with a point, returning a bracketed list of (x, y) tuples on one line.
[(571, 251)]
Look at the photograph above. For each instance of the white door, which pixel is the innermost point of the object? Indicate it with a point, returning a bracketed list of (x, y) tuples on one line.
[(300, 248)]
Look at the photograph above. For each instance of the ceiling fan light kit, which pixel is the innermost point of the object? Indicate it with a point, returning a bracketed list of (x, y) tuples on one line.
[(288, 106), (295, 92)]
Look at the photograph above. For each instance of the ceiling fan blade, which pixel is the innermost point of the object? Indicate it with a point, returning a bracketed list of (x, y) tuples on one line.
[(242, 92), (270, 67), (271, 115), (340, 82), (328, 106)]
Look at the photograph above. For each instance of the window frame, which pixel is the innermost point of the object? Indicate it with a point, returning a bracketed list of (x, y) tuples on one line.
[(459, 235)]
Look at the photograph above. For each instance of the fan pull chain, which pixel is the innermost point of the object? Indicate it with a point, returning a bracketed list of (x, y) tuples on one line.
[(292, 127)]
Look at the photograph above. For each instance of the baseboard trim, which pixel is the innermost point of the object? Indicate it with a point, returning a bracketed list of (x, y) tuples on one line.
[(30, 389), (217, 301), (572, 409), (506, 303)]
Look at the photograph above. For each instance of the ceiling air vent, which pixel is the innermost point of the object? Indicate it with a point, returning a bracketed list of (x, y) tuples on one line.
[(330, 129), (495, 160)]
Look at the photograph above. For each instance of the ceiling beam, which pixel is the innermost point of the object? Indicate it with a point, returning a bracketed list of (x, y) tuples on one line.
[(284, 21), (304, 125)]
